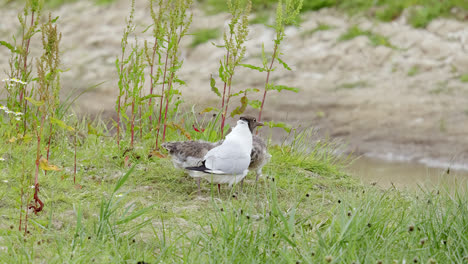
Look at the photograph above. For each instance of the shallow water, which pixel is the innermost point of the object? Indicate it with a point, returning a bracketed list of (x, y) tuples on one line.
[(406, 175)]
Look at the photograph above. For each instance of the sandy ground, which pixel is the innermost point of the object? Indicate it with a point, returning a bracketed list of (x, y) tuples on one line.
[(351, 90)]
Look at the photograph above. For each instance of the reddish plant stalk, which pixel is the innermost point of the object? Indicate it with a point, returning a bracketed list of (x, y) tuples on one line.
[(24, 119), (152, 85), (74, 168), (228, 98), (21, 208), (37, 205), (118, 123), (26, 222), (141, 125), (48, 145), (167, 104), (266, 83), (25, 63), (223, 114), (132, 128), (162, 92), (118, 106)]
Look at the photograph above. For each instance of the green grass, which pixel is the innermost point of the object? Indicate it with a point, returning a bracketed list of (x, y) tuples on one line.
[(305, 211), (353, 85), (52, 4), (421, 12), (464, 78), (319, 27), (414, 70), (204, 35), (261, 17), (374, 38)]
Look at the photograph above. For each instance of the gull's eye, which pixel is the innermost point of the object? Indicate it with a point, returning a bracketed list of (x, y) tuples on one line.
[(255, 120)]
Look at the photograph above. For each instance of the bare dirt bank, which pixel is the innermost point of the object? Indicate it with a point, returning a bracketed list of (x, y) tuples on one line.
[(406, 102)]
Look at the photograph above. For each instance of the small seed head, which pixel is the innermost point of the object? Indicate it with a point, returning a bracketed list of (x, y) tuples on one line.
[(411, 228), (328, 259)]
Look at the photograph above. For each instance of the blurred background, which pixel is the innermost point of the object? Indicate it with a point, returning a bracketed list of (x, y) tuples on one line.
[(388, 79)]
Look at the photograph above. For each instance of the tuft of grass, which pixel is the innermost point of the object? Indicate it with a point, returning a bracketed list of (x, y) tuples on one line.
[(374, 38), (54, 4), (414, 70), (261, 17), (353, 85), (319, 27), (421, 12), (442, 87), (390, 11), (204, 35), (464, 78)]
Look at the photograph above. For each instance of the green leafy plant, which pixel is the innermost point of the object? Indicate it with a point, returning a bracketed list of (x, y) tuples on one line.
[(48, 87), (109, 216), (170, 24), (35, 99), (285, 14), (375, 39), (234, 39)]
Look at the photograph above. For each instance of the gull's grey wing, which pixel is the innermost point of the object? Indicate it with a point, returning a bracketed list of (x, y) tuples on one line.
[(228, 159)]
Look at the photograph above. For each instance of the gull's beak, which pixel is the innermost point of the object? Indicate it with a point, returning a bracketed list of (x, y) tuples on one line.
[(259, 124)]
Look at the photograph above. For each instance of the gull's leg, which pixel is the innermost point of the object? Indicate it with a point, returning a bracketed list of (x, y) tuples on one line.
[(219, 188), (258, 174), (242, 185)]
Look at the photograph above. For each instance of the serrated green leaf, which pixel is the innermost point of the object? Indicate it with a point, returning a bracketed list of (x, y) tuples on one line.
[(61, 124), (179, 81), (264, 59), (260, 69), (282, 125), (149, 96), (213, 87), (208, 109), (34, 102), (245, 91), (240, 109), (255, 103), (286, 66), (9, 46), (216, 45), (279, 88), (221, 71)]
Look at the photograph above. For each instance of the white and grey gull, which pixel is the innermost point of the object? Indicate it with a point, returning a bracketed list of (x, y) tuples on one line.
[(192, 154)]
